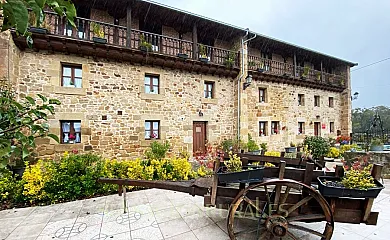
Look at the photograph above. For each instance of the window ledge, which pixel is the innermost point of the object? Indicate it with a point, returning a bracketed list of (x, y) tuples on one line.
[(68, 147), (146, 143), (210, 100), (301, 136), (260, 104), (66, 90), (157, 97)]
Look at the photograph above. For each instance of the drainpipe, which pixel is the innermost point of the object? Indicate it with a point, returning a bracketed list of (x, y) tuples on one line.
[(239, 81)]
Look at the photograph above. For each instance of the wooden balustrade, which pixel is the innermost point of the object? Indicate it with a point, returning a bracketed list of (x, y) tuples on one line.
[(218, 55), (270, 66)]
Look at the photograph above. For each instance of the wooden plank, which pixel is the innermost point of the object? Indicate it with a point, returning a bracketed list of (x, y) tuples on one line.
[(376, 171), (367, 208), (214, 186), (195, 42), (307, 179), (347, 215), (339, 172), (278, 188), (128, 26), (373, 218)]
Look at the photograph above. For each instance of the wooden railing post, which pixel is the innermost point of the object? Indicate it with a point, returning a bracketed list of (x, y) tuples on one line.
[(128, 26), (195, 42), (295, 65)]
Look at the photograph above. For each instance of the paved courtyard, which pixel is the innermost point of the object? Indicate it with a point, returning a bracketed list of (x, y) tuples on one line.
[(152, 214)]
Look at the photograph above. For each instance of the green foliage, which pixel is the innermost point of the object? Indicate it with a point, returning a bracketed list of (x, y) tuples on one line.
[(144, 43), (230, 59), (227, 145), (234, 163), (263, 147), (361, 117), (157, 150), (333, 153), (21, 122), (251, 145), (305, 71), (358, 179), (15, 13), (376, 142), (97, 30), (10, 188), (202, 51), (272, 154), (317, 146)]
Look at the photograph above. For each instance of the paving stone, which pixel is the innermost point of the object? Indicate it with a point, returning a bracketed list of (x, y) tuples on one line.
[(173, 227), (141, 221), (112, 228), (198, 220), (166, 215), (147, 233), (184, 236), (210, 232), (27, 231)]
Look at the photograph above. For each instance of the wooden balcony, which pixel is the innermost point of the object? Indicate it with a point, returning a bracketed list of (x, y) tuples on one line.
[(286, 72)]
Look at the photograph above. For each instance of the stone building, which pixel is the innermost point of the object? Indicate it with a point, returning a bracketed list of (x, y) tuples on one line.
[(166, 74)]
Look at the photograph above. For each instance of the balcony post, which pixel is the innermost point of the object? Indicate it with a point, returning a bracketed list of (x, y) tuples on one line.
[(195, 42), (322, 74), (128, 26), (295, 65)]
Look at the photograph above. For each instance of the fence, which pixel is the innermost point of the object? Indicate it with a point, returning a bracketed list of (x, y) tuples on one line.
[(365, 138)]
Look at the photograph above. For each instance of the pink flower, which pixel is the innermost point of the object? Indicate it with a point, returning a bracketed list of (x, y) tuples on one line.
[(72, 137)]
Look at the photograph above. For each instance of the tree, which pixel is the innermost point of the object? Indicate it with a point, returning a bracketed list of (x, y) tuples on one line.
[(15, 13), (21, 122), (361, 118)]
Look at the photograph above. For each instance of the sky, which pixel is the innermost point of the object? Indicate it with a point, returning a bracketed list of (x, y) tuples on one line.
[(354, 30)]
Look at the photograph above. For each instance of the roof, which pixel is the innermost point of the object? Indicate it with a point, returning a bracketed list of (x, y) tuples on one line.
[(259, 35)]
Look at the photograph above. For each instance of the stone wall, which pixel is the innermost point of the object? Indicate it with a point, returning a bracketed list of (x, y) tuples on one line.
[(382, 158), (109, 87)]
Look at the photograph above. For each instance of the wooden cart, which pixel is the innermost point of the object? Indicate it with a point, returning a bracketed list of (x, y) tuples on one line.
[(285, 204)]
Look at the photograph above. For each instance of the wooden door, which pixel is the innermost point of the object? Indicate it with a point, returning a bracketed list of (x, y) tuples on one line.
[(317, 126), (199, 137)]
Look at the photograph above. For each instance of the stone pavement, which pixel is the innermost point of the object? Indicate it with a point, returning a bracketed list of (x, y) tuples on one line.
[(152, 214)]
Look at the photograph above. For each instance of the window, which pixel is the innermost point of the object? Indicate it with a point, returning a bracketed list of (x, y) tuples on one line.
[(262, 129), (262, 95), (331, 102), (316, 101), (70, 131), (274, 128), (72, 76), (301, 128), (301, 100), (209, 89), (152, 129), (331, 127), (152, 84)]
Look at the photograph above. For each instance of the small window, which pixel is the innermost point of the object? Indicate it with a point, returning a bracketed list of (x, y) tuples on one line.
[(152, 84), (262, 129), (72, 76), (316, 101), (301, 128), (152, 129), (301, 100), (331, 102), (209, 89), (262, 95), (274, 128), (331, 127), (70, 132)]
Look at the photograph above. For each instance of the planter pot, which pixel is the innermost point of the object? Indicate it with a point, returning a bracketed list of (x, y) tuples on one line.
[(338, 160), (204, 60), (291, 149), (376, 148), (99, 40), (18, 171), (182, 55), (332, 191), (257, 152), (253, 175), (38, 30), (260, 70), (327, 159)]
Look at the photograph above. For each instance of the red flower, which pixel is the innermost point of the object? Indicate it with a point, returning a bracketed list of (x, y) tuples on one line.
[(72, 137)]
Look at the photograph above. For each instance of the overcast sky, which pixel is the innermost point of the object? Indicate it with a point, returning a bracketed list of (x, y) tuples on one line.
[(354, 30)]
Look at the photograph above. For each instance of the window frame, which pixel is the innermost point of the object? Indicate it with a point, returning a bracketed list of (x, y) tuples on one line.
[(71, 130), (151, 130), (301, 102), (262, 131), (331, 127), (301, 128), (151, 84), (273, 125), (72, 74), (207, 91), (264, 90), (331, 102), (317, 103)]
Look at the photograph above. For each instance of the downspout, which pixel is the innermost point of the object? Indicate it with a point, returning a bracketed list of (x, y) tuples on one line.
[(239, 81)]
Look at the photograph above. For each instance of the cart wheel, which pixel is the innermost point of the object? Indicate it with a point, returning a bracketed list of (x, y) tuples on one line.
[(280, 209)]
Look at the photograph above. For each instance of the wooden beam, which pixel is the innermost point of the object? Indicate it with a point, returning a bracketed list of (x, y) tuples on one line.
[(195, 41), (295, 65), (128, 26), (214, 185)]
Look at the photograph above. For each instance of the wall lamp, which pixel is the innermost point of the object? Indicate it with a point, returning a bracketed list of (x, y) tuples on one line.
[(355, 96), (248, 81)]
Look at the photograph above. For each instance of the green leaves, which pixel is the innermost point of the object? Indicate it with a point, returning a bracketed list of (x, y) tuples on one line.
[(15, 15)]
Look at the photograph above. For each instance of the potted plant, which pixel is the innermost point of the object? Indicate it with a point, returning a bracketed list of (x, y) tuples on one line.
[(98, 33), (332, 154), (182, 55), (233, 171), (263, 147), (252, 146), (36, 27), (317, 146), (71, 138), (261, 68), (292, 148), (251, 64), (356, 183), (376, 144), (230, 60), (305, 72), (203, 54), (318, 75)]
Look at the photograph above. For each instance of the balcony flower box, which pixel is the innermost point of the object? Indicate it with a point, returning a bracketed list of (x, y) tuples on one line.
[(38, 30), (182, 55), (260, 70), (204, 59), (99, 40), (328, 187), (290, 149)]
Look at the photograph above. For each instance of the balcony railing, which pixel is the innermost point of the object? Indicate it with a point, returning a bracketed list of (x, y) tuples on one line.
[(272, 67), (155, 43)]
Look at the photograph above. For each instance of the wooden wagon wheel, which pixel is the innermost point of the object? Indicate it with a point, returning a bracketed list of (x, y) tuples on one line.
[(275, 216)]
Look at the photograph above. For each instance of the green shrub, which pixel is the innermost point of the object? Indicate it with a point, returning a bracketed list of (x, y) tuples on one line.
[(10, 188), (252, 145), (157, 150), (317, 146)]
